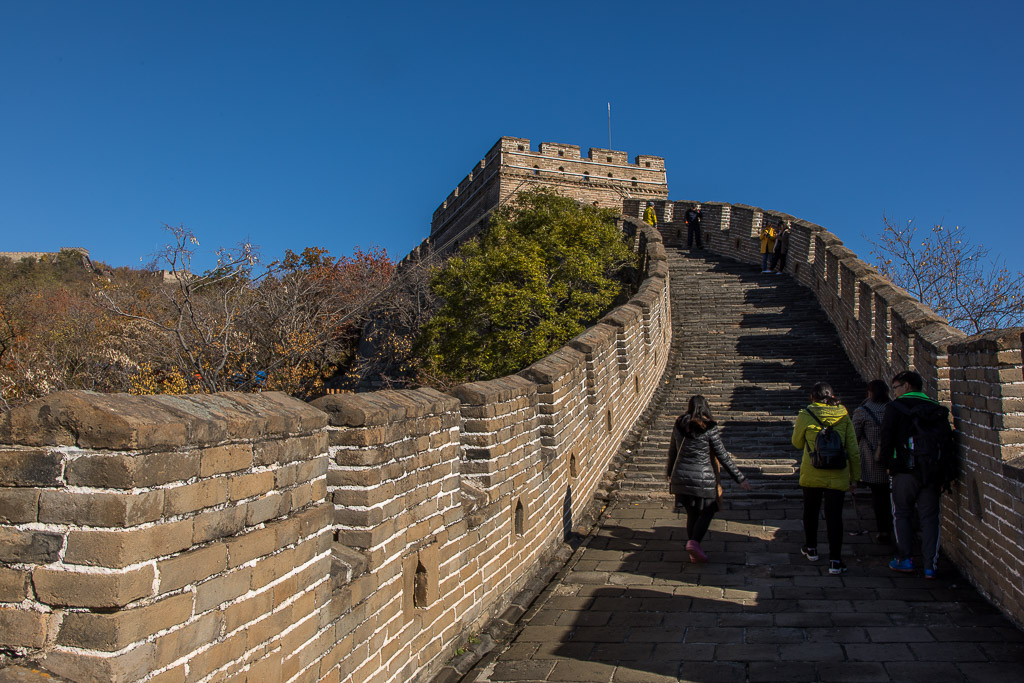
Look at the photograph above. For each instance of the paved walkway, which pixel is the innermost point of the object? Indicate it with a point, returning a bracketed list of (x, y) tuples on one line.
[(629, 607)]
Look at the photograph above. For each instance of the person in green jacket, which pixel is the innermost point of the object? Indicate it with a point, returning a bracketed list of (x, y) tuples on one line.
[(821, 485)]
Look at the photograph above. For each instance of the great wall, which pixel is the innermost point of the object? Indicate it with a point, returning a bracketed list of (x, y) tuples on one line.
[(371, 537)]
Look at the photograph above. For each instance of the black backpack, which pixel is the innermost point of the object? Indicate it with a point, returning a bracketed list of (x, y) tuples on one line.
[(930, 448), (827, 452)]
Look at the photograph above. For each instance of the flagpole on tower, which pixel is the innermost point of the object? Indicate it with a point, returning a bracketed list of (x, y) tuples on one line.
[(609, 125)]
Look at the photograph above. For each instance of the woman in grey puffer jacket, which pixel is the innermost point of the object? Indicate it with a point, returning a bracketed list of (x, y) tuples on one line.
[(694, 438)]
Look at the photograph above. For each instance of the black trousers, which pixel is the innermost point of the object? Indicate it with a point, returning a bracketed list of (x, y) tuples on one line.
[(698, 517), (833, 499), (881, 503), (909, 495), (691, 232)]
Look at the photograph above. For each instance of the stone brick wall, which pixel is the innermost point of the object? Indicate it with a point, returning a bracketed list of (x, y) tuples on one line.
[(167, 535), (363, 537), (605, 176), (885, 331), (983, 528)]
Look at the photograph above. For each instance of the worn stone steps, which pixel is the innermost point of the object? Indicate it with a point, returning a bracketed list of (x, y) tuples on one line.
[(753, 344)]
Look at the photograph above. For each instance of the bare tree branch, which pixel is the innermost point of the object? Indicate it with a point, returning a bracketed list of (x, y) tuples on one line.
[(956, 279)]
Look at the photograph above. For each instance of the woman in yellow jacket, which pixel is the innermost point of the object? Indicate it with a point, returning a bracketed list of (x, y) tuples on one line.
[(768, 234), (828, 485)]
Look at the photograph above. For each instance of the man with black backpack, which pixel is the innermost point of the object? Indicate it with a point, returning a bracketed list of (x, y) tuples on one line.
[(919, 452)]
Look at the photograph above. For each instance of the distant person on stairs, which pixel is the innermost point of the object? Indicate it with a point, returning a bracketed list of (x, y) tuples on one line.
[(768, 234), (781, 249), (867, 425), (692, 475), (830, 466), (692, 218), (650, 217)]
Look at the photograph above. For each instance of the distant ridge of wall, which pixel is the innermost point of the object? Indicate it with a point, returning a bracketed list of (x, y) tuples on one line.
[(363, 537), (39, 255), (884, 330)]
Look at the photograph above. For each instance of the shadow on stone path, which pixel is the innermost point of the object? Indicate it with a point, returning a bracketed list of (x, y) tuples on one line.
[(629, 607)]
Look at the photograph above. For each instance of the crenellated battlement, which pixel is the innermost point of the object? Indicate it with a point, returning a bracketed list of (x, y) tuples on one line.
[(604, 177)]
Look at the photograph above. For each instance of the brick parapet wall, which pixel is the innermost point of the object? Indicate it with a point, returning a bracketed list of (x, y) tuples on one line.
[(170, 535), (360, 538), (884, 330), (983, 527)]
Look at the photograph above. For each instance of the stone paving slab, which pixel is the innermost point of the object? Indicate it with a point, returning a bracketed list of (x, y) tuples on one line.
[(757, 611)]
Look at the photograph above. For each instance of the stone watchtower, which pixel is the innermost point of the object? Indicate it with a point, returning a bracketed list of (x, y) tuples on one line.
[(605, 177)]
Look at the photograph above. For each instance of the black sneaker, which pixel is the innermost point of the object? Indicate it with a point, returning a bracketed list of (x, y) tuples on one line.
[(836, 567), (810, 553)]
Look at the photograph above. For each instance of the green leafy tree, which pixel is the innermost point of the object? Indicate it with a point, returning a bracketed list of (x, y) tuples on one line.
[(542, 271)]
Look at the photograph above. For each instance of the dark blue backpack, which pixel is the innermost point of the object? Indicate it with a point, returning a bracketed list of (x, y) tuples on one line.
[(827, 452)]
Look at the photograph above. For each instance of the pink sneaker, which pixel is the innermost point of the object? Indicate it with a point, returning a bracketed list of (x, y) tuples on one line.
[(696, 552)]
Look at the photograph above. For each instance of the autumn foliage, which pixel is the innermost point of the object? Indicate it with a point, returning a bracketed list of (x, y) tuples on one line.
[(242, 325)]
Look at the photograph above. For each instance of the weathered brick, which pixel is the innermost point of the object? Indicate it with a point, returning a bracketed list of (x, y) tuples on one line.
[(250, 485), (100, 509), (224, 652), (22, 628), (124, 547), (280, 451), (251, 545), (272, 568), (175, 675), (216, 524), (13, 584), (132, 471), (64, 588), (30, 467), (245, 611), (130, 665), (221, 589), (181, 500), (33, 547), (223, 459), (192, 567), (266, 508), (18, 506), (117, 630)]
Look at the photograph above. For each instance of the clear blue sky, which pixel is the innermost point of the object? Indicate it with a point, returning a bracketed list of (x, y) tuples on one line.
[(338, 124)]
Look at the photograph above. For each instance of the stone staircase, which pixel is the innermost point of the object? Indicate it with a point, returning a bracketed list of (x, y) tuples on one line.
[(753, 344)]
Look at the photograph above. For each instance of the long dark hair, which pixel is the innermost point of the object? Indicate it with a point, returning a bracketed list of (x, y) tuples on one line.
[(698, 412), (878, 391), (822, 393)]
